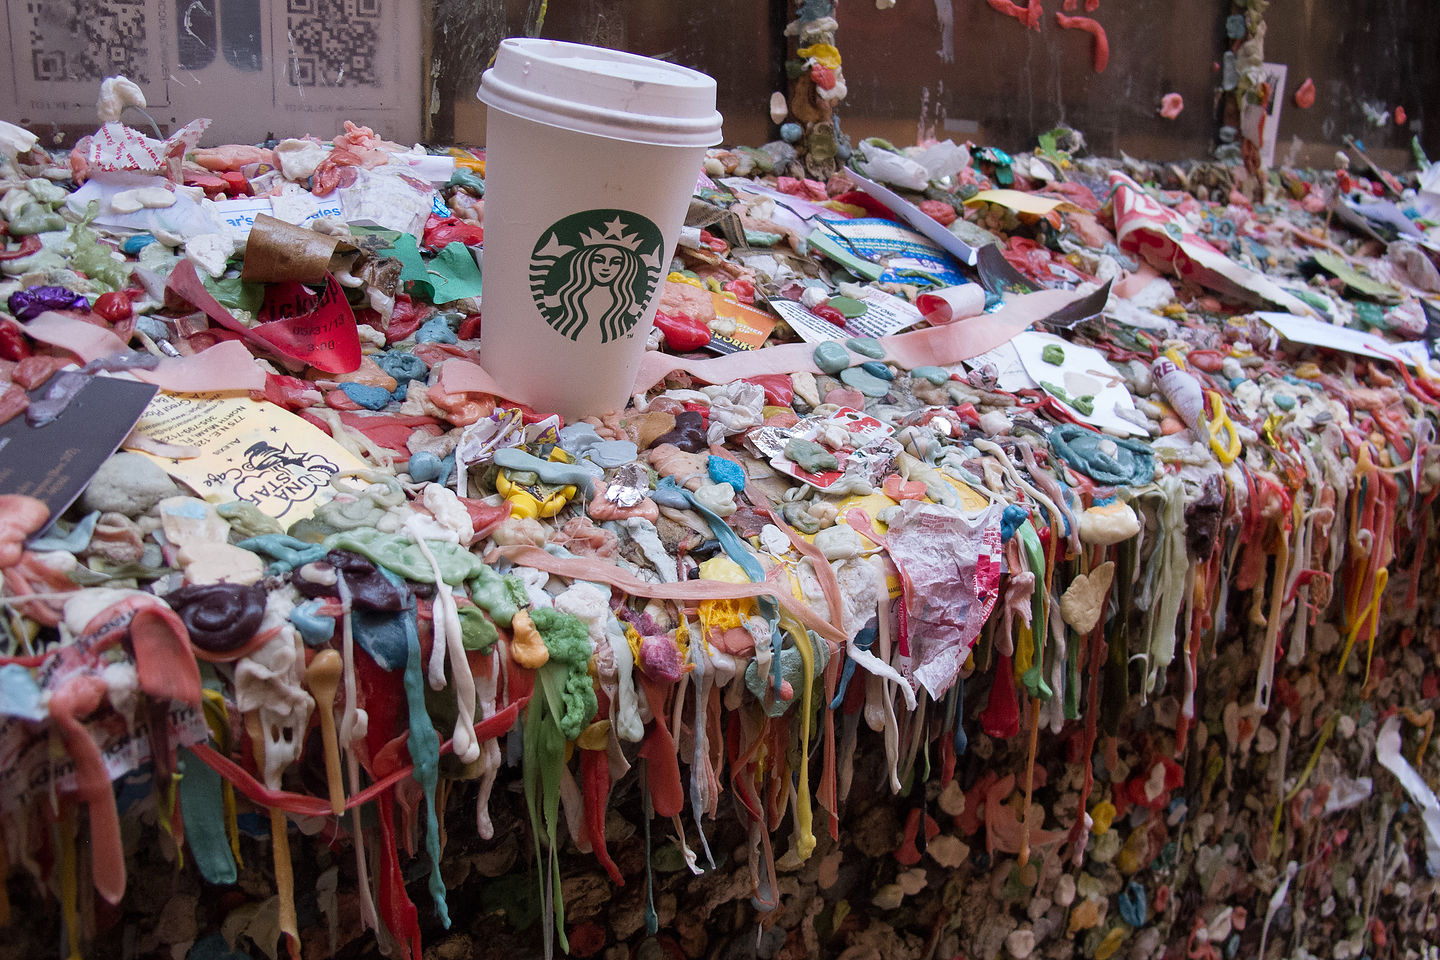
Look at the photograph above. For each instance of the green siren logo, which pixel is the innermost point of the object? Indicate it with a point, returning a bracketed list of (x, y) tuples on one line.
[(596, 267)]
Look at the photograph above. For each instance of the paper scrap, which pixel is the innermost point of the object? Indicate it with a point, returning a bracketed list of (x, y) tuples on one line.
[(381, 199), (276, 251), (1261, 124), (997, 275), (916, 218), (1010, 374), (952, 563), (1164, 238), (325, 336), (450, 275), (301, 207), (88, 341), (239, 214), (1321, 334), (1386, 214), (228, 365), (250, 450), (1083, 371), (752, 326), (885, 314), (29, 769), (426, 166), (185, 217), (1018, 200), (1355, 280), (118, 147), (54, 463)]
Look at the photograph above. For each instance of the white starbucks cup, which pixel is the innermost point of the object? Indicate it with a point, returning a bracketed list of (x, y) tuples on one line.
[(591, 157)]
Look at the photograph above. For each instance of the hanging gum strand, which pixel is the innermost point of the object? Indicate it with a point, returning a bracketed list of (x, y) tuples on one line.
[(69, 885), (4, 889), (1034, 722), (349, 720), (1325, 732), (1079, 831), (1372, 512), (805, 836), (1204, 594), (217, 721), (322, 676), (1052, 545), (1265, 679), (284, 875)]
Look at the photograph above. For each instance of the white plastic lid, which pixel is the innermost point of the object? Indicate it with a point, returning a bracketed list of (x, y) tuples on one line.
[(608, 93)]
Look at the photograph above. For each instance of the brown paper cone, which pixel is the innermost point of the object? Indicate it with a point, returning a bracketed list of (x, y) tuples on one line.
[(277, 251)]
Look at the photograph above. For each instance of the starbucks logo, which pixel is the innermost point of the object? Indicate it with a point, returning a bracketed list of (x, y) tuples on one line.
[(596, 267)]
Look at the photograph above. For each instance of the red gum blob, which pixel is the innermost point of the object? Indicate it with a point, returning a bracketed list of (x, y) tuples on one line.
[(1170, 105), (1029, 16), (1092, 27), (1305, 96)]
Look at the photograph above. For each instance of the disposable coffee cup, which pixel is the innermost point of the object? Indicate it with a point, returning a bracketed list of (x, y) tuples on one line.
[(591, 158)]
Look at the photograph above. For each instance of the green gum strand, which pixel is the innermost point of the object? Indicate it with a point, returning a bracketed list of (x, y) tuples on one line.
[(424, 747)]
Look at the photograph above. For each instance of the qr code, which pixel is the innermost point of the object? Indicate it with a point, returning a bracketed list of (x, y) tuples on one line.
[(333, 42), (88, 40)]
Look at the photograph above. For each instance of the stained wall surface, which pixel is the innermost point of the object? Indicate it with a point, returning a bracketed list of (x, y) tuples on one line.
[(944, 67)]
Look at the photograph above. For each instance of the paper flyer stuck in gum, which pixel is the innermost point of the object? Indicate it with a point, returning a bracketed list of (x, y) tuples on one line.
[(249, 450)]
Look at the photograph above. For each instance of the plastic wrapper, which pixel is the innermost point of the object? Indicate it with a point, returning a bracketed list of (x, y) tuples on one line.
[(29, 303), (951, 564)]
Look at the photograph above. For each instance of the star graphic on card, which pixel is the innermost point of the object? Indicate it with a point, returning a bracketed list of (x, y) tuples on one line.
[(615, 228)]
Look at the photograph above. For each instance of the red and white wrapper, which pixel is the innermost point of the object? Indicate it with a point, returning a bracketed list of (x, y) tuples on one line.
[(116, 147)]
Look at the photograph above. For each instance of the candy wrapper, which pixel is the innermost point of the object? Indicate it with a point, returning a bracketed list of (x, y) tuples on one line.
[(951, 566), (116, 147), (29, 303), (862, 447), (1166, 240)]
